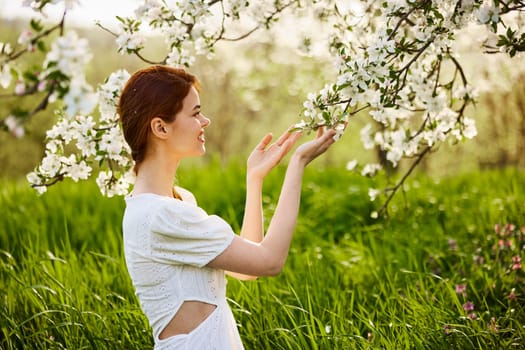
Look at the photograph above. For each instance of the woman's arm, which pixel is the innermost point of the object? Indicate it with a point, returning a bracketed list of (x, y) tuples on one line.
[(267, 258), (252, 224), (261, 161)]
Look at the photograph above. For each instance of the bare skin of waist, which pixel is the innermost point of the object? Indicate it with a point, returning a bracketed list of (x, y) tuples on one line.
[(190, 315)]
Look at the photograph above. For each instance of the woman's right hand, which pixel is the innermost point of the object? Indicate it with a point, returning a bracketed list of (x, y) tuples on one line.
[(310, 150), (265, 156)]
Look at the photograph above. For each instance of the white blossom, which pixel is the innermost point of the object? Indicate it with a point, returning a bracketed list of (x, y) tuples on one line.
[(50, 165), (129, 42), (36, 181), (110, 186), (370, 169), (79, 171), (60, 130), (112, 141), (86, 145), (373, 193), (466, 91), (366, 137), (20, 88), (68, 4), (70, 54), (25, 37), (54, 146), (469, 130), (339, 130), (487, 12), (395, 146), (351, 165), (109, 93), (180, 57), (148, 9), (80, 98), (14, 126)]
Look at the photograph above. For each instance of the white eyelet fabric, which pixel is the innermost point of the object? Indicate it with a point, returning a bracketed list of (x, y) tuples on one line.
[(167, 245)]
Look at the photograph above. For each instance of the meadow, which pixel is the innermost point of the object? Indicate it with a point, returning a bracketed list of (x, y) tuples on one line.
[(444, 271)]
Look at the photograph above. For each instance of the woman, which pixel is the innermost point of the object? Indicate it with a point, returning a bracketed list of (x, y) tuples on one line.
[(177, 254)]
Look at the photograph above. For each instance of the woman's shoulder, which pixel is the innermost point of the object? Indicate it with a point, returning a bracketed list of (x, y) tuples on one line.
[(186, 195)]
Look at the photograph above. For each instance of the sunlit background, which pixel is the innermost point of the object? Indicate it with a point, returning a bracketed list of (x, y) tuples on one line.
[(84, 14), (259, 85)]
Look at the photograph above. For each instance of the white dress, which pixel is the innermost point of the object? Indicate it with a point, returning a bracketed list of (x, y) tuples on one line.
[(167, 245)]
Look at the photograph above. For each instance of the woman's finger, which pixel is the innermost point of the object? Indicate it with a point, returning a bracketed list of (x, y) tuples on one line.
[(292, 140), (329, 135), (264, 142), (288, 143), (283, 137), (326, 139), (320, 131)]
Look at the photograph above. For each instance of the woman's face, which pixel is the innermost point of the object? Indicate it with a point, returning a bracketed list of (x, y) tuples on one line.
[(186, 132)]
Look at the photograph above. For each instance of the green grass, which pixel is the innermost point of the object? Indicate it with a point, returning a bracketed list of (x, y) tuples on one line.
[(350, 282)]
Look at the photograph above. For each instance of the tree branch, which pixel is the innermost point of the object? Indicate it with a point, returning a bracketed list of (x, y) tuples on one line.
[(393, 190)]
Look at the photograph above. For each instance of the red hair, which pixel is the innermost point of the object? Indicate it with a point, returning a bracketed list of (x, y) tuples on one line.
[(156, 91)]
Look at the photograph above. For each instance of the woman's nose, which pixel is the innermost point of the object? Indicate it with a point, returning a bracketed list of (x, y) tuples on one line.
[(205, 121)]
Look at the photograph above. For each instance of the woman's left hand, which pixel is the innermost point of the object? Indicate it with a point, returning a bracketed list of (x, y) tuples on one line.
[(264, 158)]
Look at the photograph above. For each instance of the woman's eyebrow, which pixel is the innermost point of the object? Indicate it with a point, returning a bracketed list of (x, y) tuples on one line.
[(197, 107)]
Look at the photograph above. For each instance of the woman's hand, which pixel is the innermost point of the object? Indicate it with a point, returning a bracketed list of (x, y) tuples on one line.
[(264, 158), (310, 150)]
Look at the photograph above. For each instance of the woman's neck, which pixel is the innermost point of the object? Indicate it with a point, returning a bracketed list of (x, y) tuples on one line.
[(156, 176)]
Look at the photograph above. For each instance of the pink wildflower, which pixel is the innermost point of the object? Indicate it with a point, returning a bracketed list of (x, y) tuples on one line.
[(512, 294), (503, 244), (478, 259), (473, 316), (20, 88), (461, 289), (468, 306), (452, 245), (493, 326), (516, 262), (509, 228)]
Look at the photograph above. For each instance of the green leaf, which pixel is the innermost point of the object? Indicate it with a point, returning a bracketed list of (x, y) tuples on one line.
[(29, 76), (36, 25), (41, 46), (20, 112)]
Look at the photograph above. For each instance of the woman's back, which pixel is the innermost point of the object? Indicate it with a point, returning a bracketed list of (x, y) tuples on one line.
[(167, 243)]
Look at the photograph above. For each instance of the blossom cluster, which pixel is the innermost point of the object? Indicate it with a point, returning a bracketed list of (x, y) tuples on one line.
[(67, 58), (192, 28), (97, 142), (395, 59), (60, 77), (400, 73)]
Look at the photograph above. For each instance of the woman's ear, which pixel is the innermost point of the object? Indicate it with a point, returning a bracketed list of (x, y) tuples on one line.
[(158, 128)]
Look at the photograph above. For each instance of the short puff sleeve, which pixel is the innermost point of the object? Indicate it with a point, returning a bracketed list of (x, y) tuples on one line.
[(184, 234)]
